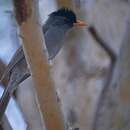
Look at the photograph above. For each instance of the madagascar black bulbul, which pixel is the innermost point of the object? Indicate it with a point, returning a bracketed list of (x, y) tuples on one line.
[(54, 29)]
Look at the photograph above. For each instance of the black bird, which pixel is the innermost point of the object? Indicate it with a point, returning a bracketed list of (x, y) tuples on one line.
[(55, 28)]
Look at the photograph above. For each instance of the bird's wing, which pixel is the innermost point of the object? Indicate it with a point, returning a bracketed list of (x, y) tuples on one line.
[(47, 24), (54, 37), (19, 54)]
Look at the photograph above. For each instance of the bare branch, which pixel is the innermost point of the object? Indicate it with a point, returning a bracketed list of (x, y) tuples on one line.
[(26, 14), (102, 43), (115, 99), (113, 57)]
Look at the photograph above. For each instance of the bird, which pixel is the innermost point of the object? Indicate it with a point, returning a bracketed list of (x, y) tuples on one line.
[(54, 29)]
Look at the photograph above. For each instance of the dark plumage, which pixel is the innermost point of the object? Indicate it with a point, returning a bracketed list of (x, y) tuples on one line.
[(68, 14)]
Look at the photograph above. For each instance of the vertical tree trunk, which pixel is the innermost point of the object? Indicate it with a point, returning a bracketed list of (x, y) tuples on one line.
[(32, 36), (114, 109)]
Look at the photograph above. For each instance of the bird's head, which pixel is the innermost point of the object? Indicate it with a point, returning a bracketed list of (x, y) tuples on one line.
[(68, 16)]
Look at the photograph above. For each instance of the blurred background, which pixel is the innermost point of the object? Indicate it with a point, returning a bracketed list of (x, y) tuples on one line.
[(80, 69)]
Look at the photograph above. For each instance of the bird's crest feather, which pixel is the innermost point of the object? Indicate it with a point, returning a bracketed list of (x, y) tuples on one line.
[(65, 12)]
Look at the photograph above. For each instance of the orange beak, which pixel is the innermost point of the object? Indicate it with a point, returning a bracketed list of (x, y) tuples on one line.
[(80, 24)]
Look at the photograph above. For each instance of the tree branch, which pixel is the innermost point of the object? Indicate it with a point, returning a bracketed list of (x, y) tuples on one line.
[(115, 101), (102, 43), (113, 58), (26, 15)]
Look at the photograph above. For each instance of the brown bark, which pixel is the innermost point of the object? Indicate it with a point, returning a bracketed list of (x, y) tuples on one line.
[(26, 14)]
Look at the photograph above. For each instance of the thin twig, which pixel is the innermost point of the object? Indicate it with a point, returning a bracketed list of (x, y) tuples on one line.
[(102, 43), (113, 57)]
